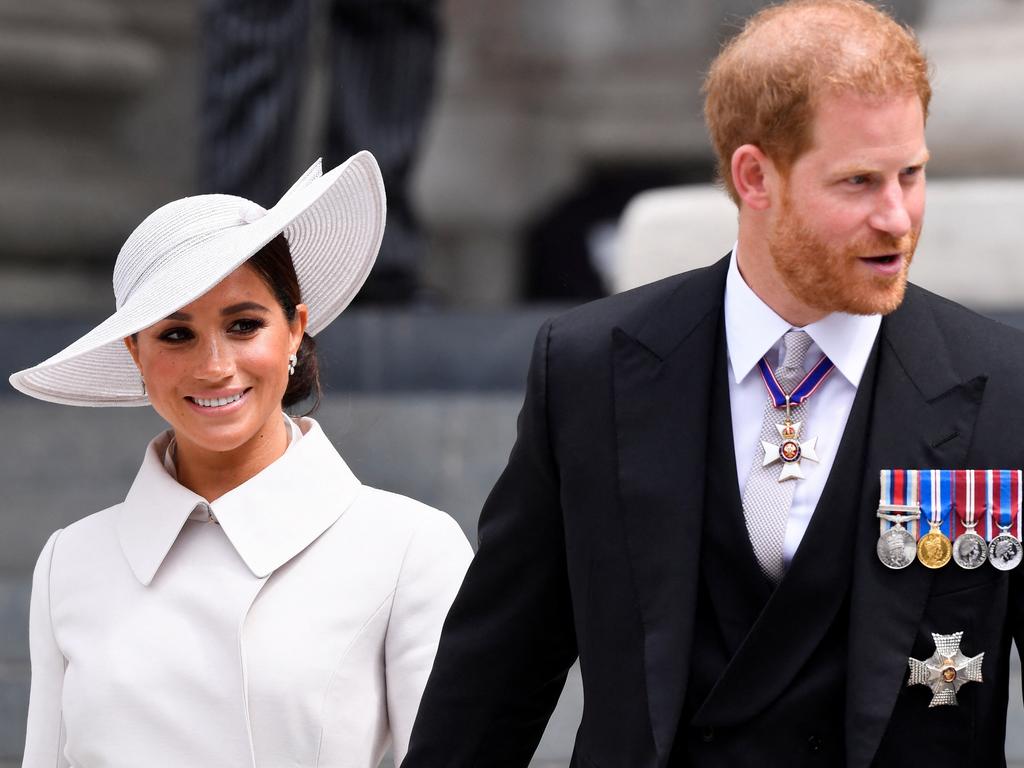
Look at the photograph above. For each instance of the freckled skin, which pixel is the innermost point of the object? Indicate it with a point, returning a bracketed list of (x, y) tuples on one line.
[(202, 352)]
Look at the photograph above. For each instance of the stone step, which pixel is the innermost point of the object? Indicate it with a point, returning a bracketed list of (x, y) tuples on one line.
[(445, 449), (364, 351)]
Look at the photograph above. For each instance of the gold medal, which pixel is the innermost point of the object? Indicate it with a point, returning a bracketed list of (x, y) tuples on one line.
[(934, 550)]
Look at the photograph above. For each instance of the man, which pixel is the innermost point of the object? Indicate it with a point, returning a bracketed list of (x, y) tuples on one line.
[(382, 64), (726, 601)]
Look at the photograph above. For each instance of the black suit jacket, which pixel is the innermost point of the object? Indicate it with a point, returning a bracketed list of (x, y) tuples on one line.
[(589, 543)]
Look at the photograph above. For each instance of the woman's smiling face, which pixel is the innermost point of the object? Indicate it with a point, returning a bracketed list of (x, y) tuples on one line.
[(216, 369)]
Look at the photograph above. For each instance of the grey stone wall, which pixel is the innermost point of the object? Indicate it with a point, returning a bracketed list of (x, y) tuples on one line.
[(100, 118)]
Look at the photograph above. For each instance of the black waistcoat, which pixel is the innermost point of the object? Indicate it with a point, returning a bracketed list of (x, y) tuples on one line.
[(768, 669)]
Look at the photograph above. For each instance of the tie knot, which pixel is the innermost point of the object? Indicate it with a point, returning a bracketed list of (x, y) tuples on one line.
[(794, 350)]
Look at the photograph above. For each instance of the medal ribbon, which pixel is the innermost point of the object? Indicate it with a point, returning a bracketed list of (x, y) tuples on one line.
[(936, 500), (913, 497), (1005, 501), (885, 497), (993, 505), (982, 495), (899, 487), (1015, 499), (970, 489), (814, 379)]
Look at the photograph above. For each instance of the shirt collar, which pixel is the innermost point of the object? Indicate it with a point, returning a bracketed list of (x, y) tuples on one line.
[(752, 328), (268, 519)]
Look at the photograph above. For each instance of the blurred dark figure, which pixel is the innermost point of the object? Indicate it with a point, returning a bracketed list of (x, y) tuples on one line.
[(568, 246), (382, 73)]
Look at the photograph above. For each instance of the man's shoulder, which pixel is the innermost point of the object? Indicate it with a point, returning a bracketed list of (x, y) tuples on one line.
[(969, 334)]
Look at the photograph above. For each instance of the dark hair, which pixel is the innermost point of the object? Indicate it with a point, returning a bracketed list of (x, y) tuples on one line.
[(273, 263)]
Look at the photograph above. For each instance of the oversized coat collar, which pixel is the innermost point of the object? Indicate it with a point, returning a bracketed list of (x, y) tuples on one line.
[(268, 519)]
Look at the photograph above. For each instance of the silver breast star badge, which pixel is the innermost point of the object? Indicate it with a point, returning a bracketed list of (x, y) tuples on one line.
[(790, 451), (946, 670)]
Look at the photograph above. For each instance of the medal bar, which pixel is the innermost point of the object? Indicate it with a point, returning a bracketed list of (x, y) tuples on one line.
[(974, 517)]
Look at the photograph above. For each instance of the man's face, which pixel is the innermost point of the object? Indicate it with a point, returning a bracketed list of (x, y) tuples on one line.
[(845, 230)]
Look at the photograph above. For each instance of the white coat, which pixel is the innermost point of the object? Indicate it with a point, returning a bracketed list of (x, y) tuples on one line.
[(298, 632)]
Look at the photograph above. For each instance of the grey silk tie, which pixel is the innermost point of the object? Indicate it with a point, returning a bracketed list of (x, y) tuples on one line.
[(766, 501)]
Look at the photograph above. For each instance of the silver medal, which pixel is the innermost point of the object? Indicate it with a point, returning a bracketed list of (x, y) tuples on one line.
[(896, 548), (1005, 552), (970, 550)]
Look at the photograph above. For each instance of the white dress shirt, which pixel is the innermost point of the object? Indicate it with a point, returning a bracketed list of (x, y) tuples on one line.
[(753, 330), (298, 631)]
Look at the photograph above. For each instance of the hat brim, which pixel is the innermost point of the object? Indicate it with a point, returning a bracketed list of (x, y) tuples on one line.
[(333, 223)]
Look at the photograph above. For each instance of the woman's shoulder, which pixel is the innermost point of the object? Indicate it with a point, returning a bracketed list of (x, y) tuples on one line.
[(384, 510), (399, 513), (430, 549), (381, 540), (83, 539)]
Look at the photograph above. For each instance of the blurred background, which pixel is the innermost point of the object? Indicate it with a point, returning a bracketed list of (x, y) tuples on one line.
[(537, 154)]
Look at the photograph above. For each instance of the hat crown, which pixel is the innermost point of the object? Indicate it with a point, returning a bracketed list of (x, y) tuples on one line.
[(176, 234)]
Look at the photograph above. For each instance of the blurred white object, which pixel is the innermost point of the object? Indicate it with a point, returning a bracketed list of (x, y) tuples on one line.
[(665, 231), (968, 252)]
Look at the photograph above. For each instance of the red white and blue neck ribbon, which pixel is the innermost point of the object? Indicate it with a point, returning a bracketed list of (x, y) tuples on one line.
[(814, 379)]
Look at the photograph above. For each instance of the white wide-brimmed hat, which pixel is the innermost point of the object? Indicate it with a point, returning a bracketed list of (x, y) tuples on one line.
[(333, 223)]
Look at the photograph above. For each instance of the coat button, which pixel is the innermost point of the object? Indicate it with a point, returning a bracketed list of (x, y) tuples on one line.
[(707, 734), (814, 743)]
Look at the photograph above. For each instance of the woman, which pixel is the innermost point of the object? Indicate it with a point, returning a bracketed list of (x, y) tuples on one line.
[(250, 602)]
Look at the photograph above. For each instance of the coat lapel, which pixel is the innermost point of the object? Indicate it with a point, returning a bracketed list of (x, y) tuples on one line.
[(923, 418), (662, 378)]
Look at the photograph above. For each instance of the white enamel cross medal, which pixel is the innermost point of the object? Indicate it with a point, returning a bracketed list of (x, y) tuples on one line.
[(946, 670), (790, 451)]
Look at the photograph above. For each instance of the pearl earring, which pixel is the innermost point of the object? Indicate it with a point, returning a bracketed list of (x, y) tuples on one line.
[(292, 362)]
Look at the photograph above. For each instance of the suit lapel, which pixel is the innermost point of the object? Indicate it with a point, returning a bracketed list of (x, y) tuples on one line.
[(923, 418), (662, 380)]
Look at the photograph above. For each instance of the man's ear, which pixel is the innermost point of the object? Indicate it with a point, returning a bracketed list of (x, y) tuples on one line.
[(752, 171)]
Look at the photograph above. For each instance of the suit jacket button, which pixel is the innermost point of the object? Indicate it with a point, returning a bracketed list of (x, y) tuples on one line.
[(707, 734), (815, 743)]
